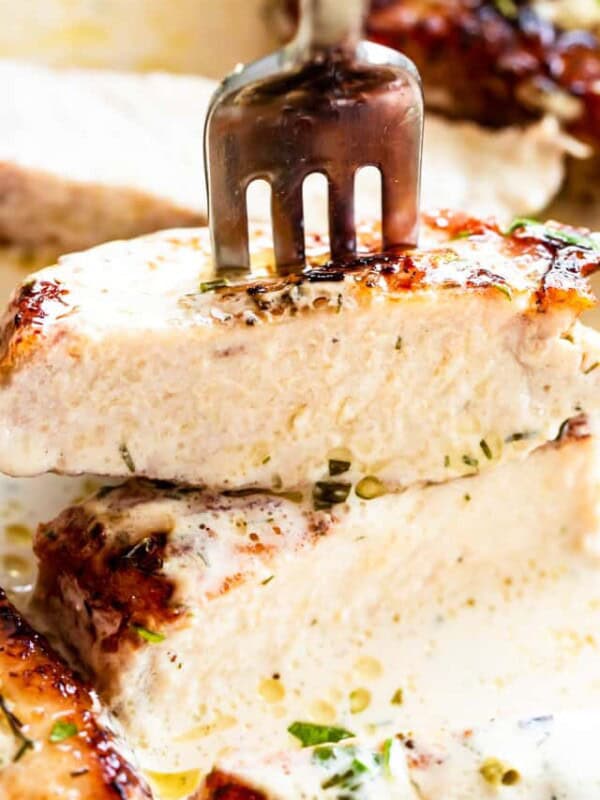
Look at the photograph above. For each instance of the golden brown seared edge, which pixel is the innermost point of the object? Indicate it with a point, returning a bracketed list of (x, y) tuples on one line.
[(60, 748), (220, 786), (550, 262)]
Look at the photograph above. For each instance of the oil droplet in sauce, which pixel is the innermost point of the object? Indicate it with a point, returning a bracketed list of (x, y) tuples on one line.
[(369, 667), (323, 713), (271, 690), (360, 699), (16, 572), (175, 786), (18, 534)]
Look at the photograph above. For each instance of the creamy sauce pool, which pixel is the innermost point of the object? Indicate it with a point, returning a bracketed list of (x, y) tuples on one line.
[(521, 643)]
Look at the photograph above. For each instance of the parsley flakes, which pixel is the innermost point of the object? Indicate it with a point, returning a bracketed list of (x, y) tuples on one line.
[(310, 734), (62, 730)]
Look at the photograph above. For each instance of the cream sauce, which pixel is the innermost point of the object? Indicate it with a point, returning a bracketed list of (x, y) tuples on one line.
[(521, 643)]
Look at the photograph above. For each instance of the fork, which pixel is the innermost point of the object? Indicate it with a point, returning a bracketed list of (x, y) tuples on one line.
[(327, 103)]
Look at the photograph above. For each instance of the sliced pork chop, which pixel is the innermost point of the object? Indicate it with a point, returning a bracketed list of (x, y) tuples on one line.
[(437, 363), (55, 742), (214, 620), (87, 156)]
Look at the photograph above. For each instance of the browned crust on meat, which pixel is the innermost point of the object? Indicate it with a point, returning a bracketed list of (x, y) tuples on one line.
[(125, 581), (37, 690), (494, 66), (221, 786), (25, 316), (115, 562), (553, 272)]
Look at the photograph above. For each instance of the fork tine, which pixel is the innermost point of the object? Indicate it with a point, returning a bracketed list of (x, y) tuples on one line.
[(400, 211), (229, 231), (288, 224), (342, 230)]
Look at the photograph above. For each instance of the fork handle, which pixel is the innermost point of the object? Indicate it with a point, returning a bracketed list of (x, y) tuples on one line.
[(330, 24)]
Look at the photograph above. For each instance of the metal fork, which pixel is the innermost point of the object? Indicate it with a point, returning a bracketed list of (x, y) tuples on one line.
[(327, 103)]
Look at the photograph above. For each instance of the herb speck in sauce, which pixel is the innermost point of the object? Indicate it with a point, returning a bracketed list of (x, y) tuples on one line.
[(330, 493), (126, 456), (310, 734), (338, 467), (397, 697), (211, 286), (486, 449), (520, 436), (147, 635)]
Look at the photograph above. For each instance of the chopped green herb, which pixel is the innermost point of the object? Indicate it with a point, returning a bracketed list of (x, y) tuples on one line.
[(266, 459), (388, 746), (62, 730), (338, 467), (329, 493), (470, 461), (446, 461), (502, 287), (486, 449), (594, 366), (267, 580), (467, 498), (508, 8), (398, 345), (126, 456), (520, 436), (310, 734), (369, 488), (510, 777), (324, 753), (339, 780), (149, 636), (552, 234), (79, 773), (16, 728), (463, 235), (211, 286), (397, 698)]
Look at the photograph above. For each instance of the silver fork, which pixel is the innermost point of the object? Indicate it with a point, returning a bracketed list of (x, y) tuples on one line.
[(327, 103)]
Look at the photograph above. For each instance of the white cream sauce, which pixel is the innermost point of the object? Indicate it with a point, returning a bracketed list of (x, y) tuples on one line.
[(523, 643)]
